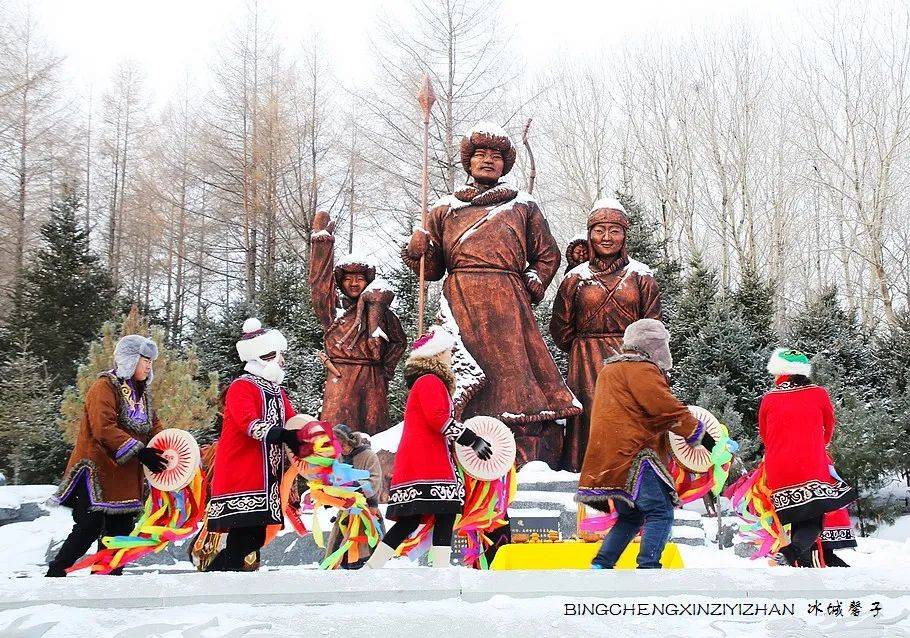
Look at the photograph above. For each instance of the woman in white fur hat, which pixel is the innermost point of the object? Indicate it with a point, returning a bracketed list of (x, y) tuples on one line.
[(250, 458), (103, 482)]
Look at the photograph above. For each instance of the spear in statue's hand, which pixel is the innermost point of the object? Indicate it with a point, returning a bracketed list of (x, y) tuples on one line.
[(426, 97)]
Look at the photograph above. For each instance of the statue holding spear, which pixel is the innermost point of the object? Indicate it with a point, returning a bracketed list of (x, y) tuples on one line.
[(494, 248)]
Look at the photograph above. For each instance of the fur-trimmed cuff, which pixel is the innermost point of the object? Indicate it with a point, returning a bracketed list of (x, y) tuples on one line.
[(698, 435), (260, 429), (452, 429), (127, 451)]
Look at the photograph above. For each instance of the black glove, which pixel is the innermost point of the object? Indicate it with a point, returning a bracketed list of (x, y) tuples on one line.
[(708, 441), (469, 438), (289, 438), (153, 459), (483, 448)]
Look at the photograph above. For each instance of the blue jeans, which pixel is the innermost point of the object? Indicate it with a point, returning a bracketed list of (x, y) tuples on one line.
[(653, 510)]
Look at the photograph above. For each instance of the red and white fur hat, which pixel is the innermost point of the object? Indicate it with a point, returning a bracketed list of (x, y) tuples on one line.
[(436, 341)]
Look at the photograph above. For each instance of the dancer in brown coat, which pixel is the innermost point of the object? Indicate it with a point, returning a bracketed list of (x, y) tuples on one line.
[(103, 483)]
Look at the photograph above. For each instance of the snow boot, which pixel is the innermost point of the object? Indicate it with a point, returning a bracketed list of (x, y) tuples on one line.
[(441, 556), (380, 557), (55, 571)]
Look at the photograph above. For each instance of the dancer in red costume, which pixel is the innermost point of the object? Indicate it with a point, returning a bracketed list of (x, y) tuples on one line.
[(250, 458), (425, 483), (796, 424)]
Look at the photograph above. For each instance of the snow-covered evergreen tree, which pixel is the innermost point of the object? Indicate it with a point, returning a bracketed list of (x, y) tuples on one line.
[(32, 449), (64, 295), (721, 342)]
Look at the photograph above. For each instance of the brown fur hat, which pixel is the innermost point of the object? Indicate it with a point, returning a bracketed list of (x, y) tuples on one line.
[(487, 135), (354, 263)]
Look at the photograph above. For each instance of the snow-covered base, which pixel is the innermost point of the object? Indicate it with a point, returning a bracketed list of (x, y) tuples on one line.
[(290, 601), (459, 602)]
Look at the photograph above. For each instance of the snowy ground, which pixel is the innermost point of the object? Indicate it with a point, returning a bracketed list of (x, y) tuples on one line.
[(459, 602), (290, 601)]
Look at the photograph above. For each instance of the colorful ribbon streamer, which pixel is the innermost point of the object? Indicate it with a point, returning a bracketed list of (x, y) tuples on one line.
[(690, 486), (750, 497), (485, 510), (331, 483), (167, 517)]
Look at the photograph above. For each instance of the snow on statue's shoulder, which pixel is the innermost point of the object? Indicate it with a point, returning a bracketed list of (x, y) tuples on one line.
[(357, 258), (639, 268), (379, 285), (320, 233), (582, 271), (451, 201), (524, 197)]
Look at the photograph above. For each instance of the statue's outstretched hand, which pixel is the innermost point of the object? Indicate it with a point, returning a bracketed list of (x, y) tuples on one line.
[(323, 222), (419, 244)]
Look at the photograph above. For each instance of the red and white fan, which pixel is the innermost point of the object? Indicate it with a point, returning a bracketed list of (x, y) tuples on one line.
[(181, 452), (696, 458), (500, 438)]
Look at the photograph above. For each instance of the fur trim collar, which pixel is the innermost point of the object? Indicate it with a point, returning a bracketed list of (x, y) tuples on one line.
[(498, 194), (415, 367), (630, 354), (601, 266)]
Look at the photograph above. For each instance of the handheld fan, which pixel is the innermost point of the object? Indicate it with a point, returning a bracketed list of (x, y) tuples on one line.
[(181, 452), (500, 438)]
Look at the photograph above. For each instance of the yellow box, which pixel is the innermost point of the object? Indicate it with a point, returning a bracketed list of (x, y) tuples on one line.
[(571, 555)]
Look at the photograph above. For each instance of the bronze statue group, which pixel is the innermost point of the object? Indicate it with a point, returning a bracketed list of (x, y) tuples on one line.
[(492, 247)]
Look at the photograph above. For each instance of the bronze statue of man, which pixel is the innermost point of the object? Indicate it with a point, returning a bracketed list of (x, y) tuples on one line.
[(363, 336), (496, 247), (595, 304)]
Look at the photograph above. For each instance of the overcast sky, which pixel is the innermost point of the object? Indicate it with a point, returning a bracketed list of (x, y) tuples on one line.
[(170, 38)]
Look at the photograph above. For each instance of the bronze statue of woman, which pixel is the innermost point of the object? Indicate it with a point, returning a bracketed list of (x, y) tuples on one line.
[(595, 303)]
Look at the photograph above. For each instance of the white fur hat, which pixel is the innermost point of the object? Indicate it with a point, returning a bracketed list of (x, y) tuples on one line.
[(257, 341), (651, 337), (128, 351), (435, 341), (784, 361)]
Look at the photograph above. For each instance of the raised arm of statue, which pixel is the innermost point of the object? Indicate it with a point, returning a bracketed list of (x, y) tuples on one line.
[(322, 263)]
